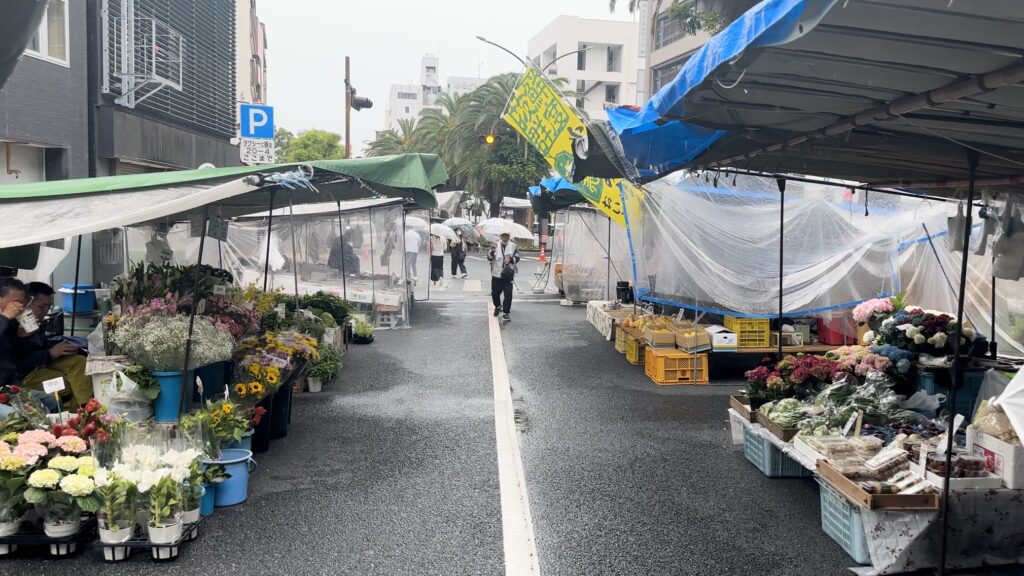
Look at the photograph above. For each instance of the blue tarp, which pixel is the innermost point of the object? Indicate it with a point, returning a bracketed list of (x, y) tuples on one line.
[(556, 184), (654, 140), (554, 194)]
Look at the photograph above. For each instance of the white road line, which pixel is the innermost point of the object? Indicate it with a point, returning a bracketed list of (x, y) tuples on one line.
[(516, 522)]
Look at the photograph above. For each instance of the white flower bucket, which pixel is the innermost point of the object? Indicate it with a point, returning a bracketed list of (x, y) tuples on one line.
[(165, 535), (314, 384), (62, 529), (191, 518), (115, 553), (9, 529)]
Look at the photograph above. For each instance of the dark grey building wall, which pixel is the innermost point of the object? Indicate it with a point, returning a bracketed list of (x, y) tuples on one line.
[(126, 135), (47, 103)]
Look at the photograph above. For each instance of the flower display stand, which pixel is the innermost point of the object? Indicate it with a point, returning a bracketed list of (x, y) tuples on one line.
[(31, 535), (160, 552)]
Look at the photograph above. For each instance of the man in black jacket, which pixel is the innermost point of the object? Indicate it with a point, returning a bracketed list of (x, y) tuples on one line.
[(38, 360), (12, 303)]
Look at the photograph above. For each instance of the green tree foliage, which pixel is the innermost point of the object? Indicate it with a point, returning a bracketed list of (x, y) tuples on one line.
[(283, 142), (314, 145), (405, 140)]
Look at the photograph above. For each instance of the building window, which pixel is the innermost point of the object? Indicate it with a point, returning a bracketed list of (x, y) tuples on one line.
[(667, 30), (407, 96), (614, 58), (581, 57), (431, 69), (406, 109), (665, 74), (611, 93), (579, 103), (51, 40)]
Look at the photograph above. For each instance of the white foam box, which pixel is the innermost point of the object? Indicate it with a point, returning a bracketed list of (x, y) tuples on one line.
[(722, 339), (1004, 460)]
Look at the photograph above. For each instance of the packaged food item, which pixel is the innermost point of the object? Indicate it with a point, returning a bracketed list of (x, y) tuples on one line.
[(913, 448), (886, 459), (936, 463), (830, 445), (920, 487), (867, 444)]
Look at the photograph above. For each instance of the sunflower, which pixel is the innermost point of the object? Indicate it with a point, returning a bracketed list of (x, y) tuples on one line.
[(254, 370), (240, 389), (272, 379), (255, 388), (226, 408)]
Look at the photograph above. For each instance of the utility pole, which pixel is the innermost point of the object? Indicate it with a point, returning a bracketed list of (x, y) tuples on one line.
[(352, 101), (348, 109)]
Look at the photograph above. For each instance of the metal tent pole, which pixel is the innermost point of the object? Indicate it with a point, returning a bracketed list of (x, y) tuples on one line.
[(270, 223), (993, 348), (341, 239), (192, 311), (781, 182), (608, 263), (74, 295), (958, 374), (295, 258)]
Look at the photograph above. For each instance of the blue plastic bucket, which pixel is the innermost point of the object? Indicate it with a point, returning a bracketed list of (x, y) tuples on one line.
[(82, 298), (234, 490), (207, 502), (244, 444), (166, 407)]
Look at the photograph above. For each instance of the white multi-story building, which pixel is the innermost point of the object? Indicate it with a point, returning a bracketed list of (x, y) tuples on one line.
[(607, 69), (405, 101), (250, 53)]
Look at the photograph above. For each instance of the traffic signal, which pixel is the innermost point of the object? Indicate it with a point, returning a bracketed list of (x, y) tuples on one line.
[(489, 139), (360, 102)]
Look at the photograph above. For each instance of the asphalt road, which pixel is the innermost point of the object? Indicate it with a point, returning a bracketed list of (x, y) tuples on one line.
[(393, 469)]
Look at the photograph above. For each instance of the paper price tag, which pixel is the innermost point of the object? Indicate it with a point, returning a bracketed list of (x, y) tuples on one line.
[(281, 311), (195, 227), (220, 290), (275, 361), (246, 305), (201, 307), (218, 229), (54, 385), (849, 424)]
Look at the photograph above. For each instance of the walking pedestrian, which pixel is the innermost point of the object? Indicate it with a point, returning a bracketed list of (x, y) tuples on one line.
[(503, 256), (459, 254), (436, 259), (412, 250)]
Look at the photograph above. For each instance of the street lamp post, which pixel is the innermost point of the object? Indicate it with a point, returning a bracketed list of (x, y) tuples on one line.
[(352, 101)]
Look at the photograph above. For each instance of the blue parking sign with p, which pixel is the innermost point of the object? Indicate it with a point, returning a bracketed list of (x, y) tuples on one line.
[(257, 121)]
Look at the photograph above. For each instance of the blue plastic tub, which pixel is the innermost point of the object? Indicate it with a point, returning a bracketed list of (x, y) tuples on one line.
[(85, 296), (842, 521), (771, 461), (234, 490), (206, 504), (966, 397), (167, 406), (244, 444)]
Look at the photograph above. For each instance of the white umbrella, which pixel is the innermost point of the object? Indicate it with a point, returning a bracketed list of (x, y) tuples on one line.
[(493, 228), (442, 231), (1012, 402), (415, 222), (458, 223)]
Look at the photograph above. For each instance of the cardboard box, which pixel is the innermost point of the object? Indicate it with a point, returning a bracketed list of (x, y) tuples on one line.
[(660, 339), (693, 339), (855, 494), (722, 339), (741, 404), (1002, 459)]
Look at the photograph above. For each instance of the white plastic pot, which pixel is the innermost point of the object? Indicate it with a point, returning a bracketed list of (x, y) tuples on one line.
[(314, 384), (165, 535), (62, 529), (191, 518), (115, 553)]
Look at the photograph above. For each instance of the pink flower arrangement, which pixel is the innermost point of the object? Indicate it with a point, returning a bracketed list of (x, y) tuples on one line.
[(166, 306), (72, 444), (31, 452), (867, 309), (37, 437), (859, 360)]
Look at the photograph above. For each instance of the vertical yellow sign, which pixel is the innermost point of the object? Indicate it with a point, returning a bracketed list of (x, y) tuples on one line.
[(538, 112)]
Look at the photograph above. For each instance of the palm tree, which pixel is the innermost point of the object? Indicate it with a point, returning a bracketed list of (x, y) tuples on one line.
[(437, 124), (391, 141)]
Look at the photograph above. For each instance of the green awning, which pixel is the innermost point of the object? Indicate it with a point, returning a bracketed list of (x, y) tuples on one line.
[(42, 211)]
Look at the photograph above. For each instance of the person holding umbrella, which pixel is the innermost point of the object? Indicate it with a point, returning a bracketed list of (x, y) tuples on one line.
[(436, 258), (503, 256), (458, 253)]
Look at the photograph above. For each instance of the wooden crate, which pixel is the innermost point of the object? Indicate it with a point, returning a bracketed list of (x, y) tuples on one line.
[(741, 404), (855, 494), (669, 367), (750, 332), (785, 434)]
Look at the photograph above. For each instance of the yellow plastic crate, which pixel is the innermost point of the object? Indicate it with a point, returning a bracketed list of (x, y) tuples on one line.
[(635, 347), (750, 332), (620, 339), (668, 367)]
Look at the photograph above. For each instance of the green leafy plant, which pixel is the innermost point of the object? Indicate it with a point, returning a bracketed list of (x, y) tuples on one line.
[(164, 502), (338, 308), (329, 364), (362, 328), (215, 474), (118, 498)]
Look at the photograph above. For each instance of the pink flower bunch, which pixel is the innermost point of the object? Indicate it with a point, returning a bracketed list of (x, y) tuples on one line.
[(759, 374), (166, 306), (72, 444), (31, 452), (865, 310), (236, 320), (37, 437)]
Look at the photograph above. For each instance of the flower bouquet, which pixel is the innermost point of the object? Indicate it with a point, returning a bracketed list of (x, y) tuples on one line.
[(116, 516), (14, 470), (157, 341), (873, 312), (798, 377), (61, 491), (921, 331)]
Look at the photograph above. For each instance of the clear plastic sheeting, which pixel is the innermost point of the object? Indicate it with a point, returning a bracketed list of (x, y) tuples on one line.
[(582, 249), (366, 249), (712, 244), (417, 233)]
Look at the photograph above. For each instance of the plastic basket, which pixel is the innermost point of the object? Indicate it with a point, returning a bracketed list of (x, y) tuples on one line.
[(966, 397), (635, 347), (842, 521), (767, 457), (750, 332), (669, 366), (620, 340)]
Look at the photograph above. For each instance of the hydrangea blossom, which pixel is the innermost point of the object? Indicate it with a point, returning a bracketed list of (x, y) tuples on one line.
[(77, 485)]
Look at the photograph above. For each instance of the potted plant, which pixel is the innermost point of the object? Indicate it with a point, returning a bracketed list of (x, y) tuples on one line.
[(14, 470), (324, 369), (230, 424), (362, 332), (116, 516), (192, 495), (165, 520), (61, 492), (213, 474)]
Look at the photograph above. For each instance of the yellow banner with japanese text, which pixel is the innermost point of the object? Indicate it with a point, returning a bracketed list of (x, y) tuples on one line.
[(540, 114)]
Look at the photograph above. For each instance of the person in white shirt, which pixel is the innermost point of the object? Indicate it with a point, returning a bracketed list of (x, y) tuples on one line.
[(436, 258), (503, 256), (412, 250)]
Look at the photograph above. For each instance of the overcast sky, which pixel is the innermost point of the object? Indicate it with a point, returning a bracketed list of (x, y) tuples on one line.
[(309, 39)]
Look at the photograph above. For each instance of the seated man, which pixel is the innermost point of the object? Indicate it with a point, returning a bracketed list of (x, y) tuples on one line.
[(12, 302), (39, 360)]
